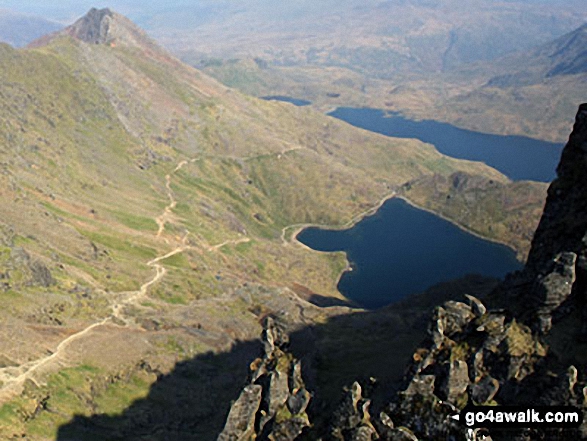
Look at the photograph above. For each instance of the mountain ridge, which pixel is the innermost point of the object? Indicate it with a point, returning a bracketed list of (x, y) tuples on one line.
[(145, 216)]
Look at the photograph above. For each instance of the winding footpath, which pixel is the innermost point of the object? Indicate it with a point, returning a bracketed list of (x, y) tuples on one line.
[(12, 378)]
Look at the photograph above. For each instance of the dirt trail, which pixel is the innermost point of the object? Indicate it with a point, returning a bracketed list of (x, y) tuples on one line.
[(228, 242), (13, 378), (167, 214)]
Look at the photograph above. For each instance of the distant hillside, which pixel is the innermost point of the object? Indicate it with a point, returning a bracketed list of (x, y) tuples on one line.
[(18, 29), (530, 93), (565, 56), (146, 223), (376, 38)]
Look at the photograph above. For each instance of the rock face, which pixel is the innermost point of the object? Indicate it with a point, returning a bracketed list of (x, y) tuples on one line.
[(558, 259), (105, 27), (273, 406), (477, 355), (92, 27)]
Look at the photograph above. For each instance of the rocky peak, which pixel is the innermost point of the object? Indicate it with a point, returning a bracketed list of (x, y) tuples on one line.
[(273, 404), (553, 283), (93, 27), (106, 27)]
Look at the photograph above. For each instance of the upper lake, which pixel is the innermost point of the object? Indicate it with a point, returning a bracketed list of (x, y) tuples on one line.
[(402, 250), (517, 157)]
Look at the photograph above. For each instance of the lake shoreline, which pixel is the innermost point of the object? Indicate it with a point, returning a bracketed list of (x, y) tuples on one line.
[(371, 211), (462, 227)]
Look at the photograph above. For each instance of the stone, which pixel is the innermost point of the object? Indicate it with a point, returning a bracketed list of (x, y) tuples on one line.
[(295, 377), (552, 289), (40, 274), (458, 315), (484, 390), (347, 415), (403, 434), (456, 381), (436, 326), (363, 433), (93, 27), (298, 401), (240, 424), (278, 392), (476, 306), (421, 385), (288, 430)]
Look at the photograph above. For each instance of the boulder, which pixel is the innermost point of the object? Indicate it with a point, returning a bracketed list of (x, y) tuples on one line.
[(240, 424), (484, 390)]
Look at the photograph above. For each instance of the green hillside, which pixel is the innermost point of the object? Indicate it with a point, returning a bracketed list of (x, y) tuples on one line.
[(146, 216)]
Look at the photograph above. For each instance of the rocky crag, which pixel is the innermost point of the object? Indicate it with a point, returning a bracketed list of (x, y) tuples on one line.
[(275, 401), (526, 347)]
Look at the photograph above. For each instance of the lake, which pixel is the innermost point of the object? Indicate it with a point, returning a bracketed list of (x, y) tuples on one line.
[(287, 99), (402, 250), (517, 157)]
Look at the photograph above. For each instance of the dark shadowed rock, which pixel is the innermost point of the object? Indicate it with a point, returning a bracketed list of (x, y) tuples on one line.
[(484, 391), (477, 307), (455, 381), (279, 411), (240, 425)]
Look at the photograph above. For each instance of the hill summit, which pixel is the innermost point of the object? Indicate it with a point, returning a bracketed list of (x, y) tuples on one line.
[(102, 27), (93, 27)]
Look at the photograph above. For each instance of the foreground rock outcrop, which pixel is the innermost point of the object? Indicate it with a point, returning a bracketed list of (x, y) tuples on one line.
[(527, 348), (273, 406)]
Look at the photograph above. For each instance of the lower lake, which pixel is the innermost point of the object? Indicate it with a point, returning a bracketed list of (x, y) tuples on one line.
[(402, 250)]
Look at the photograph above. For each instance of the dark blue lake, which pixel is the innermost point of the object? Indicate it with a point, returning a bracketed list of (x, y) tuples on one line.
[(517, 157), (402, 250)]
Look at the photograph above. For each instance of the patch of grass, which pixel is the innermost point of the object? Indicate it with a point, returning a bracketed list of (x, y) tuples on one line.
[(120, 395), (244, 247), (140, 223), (178, 260), (125, 246)]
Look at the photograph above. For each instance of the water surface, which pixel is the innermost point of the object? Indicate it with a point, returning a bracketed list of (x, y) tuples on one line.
[(287, 99), (402, 250), (518, 157)]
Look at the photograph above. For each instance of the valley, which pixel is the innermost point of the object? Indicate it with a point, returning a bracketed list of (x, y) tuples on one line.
[(148, 216)]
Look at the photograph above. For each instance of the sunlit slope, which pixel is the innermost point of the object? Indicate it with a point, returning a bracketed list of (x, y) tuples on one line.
[(97, 128), (146, 213)]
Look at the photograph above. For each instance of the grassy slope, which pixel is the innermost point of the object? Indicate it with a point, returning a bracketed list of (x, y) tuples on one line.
[(88, 136)]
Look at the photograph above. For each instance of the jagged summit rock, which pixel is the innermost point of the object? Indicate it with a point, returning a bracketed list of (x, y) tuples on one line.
[(93, 27), (104, 27)]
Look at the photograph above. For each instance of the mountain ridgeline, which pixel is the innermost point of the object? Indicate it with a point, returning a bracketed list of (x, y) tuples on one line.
[(146, 223), (528, 348)]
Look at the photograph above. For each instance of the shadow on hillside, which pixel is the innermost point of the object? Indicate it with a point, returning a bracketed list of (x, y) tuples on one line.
[(192, 402)]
